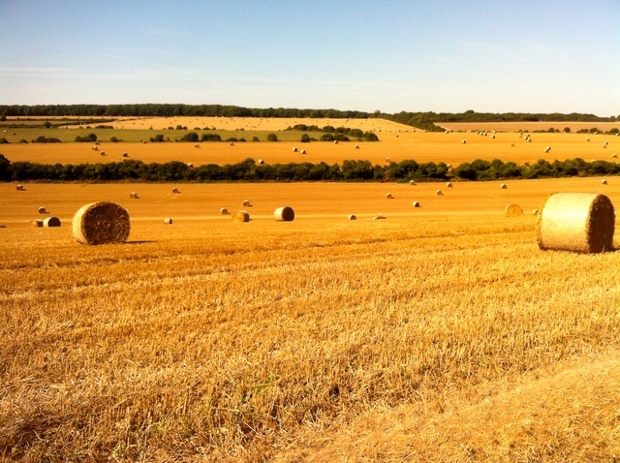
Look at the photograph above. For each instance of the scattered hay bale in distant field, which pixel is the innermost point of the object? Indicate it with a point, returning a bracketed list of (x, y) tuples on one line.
[(547, 149), (503, 186), (261, 162), (439, 193), (303, 151), (464, 142), (514, 210), (412, 182), (197, 145), (42, 210), (190, 165), (51, 222), (20, 188), (175, 190), (389, 196), (224, 211), (449, 185), (246, 203), (614, 155), (379, 217), (95, 148), (36, 223), (579, 222), (352, 217), (125, 155), (241, 216), (604, 182), (294, 149), (357, 147), (232, 143), (102, 153), (168, 221), (335, 142), (133, 195), (101, 223), (284, 214), (415, 204)]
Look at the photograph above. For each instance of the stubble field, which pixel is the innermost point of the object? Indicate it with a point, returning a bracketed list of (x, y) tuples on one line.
[(441, 333)]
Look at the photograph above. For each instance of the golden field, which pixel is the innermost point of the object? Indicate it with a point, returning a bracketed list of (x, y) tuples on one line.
[(441, 333), (393, 145)]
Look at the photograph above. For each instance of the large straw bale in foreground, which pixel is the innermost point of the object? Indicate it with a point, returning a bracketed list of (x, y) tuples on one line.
[(284, 214), (101, 223), (579, 222), (514, 210)]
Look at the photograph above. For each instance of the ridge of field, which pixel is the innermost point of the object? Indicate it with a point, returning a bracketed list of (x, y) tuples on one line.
[(532, 126), (393, 146), (365, 340)]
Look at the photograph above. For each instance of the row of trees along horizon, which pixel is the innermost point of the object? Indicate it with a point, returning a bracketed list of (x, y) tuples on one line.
[(350, 171), (421, 120)]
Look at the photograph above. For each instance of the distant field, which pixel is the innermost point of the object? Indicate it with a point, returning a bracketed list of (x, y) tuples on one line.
[(441, 333), (527, 126), (394, 146)]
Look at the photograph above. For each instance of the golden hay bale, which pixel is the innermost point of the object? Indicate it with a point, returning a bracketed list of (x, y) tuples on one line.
[(514, 210), (42, 210), (246, 203), (415, 204), (175, 190), (439, 193), (503, 186), (133, 195), (412, 182), (223, 211), (352, 217), (389, 196), (261, 162), (604, 182), (168, 221), (101, 223), (284, 214), (303, 151), (241, 216), (449, 184), (36, 223), (579, 222), (20, 188), (294, 150), (125, 155), (51, 222)]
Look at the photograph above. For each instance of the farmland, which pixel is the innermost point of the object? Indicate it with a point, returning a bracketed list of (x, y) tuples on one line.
[(441, 333)]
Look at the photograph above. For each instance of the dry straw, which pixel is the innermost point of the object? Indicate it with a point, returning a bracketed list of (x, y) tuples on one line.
[(223, 211), (51, 222), (20, 188), (42, 210), (514, 210), (168, 221), (175, 190), (101, 223), (133, 195), (439, 193), (579, 222), (246, 203), (241, 216), (284, 214), (503, 186), (389, 196), (415, 204)]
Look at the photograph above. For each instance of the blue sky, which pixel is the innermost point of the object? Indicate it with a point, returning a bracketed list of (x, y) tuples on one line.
[(392, 55)]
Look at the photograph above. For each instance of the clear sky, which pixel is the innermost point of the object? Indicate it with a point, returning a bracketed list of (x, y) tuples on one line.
[(391, 55)]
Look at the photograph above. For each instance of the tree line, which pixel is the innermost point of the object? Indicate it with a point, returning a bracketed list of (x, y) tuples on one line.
[(349, 171)]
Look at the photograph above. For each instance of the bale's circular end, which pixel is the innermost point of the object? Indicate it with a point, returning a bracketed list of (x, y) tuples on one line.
[(352, 217), (514, 210), (224, 211), (415, 204), (284, 214), (42, 210), (578, 222), (241, 216), (51, 222), (101, 223), (168, 221)]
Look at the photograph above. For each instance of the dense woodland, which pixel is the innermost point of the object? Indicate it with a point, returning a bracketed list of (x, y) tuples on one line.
[(421, 120), (251, 171)]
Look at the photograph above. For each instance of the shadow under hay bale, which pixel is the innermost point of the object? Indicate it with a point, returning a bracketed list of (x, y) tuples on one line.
[(101, 223), (241, 216), (284, 214), (514, 210), (578, 222), (50, 222)]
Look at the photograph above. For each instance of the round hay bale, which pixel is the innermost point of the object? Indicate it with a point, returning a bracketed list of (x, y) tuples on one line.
[(503, 186), (246, 203), (439, 193), (261, 162), (579, 222), (412, 182), (36, 223), (223, 211), (357, 147), (284, 214), (352, 217), (514, 210), (604, 182), (133, 195), (241, 216), (464, 142), (175, 190), (190, 165), (51, 222), (20, 188), (415, 204), (615, 156), (449, 185), (294, 150), (42, 210), (389, 196), (303, 151), (101, 223), (125, 155), (168, 221)]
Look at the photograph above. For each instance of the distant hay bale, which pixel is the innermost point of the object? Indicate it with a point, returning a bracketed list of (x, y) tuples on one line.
[(449, 185), (579, 222), (101, 223), (168, 221), (303, 151), (51, 222), (294, 149), (241, 216), (246, 203), (102, 153), (232, 143), (190, 165), (223, 211), (514, 210), (439, 193), (464, 142), (412, 182), (503, 186), (20, 188), (604, 182), (197, 145), (352, 217), (175, 190), (357, 147), (415, 204), (379, 217), (36, 223), (284, 214), (335, 142), (261, 162), (547, 149), (125, 155), (42, 210), (389, 196), (614, 155), (133, 195)]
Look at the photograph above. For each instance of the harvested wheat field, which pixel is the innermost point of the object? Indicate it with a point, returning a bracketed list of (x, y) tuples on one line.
[(441, 333)]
